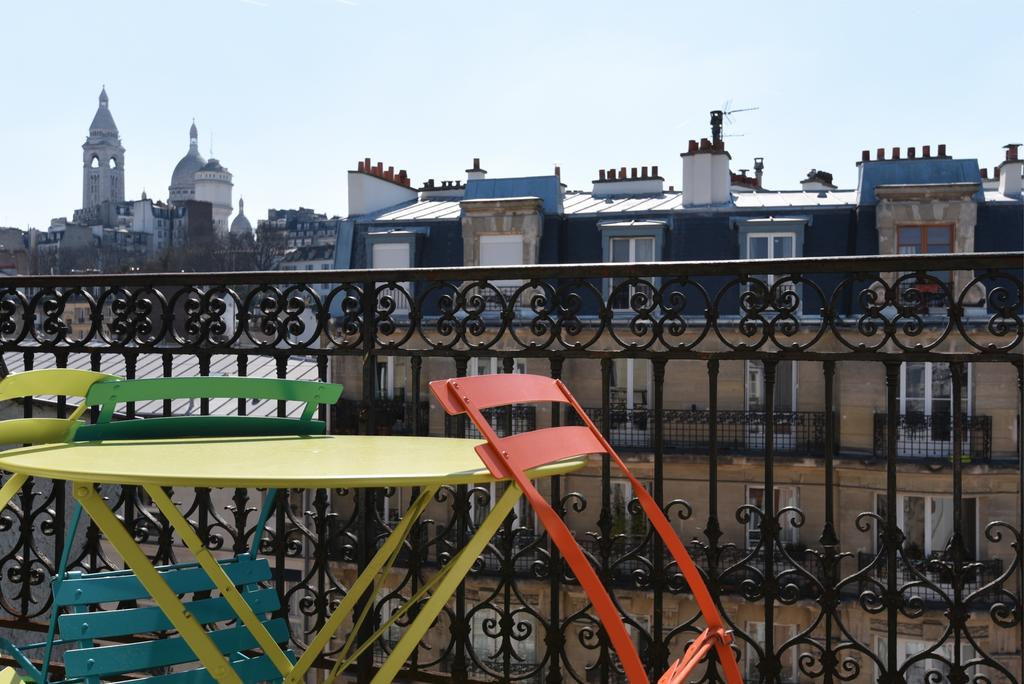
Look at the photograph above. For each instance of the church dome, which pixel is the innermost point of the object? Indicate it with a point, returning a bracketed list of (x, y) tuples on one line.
[(184, 171), (240, 225)]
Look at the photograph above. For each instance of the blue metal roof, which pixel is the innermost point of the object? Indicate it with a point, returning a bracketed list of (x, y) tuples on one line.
[(547, 188), (914, 172)]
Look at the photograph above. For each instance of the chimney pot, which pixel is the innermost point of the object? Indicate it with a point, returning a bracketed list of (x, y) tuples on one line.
[(622, 173), (1012, 152), (865, 155), (895, 153), (880, 153), (476, 163), (654, 171), (705, 145), (366, 163), (611, 174), (996, 172), (380, 168), (558, 172), (692, 147), (360, 167), (671, 188), (984, 173), (942, 150), (911, 153), (632, 172), (643, 172), (926, 151), (600, 174)]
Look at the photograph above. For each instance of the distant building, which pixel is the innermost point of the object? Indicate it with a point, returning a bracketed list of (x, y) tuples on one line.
[(300, 227), (102, 159), (143, 229), (240, 226), (14, 253)]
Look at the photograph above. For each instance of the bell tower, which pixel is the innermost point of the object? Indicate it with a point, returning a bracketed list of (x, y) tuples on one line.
[(102, 159)]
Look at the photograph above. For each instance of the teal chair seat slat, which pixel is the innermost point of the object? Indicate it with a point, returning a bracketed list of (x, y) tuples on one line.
[(82, 589), (258, 669), (105, 661), (172, 427), (127, 621)]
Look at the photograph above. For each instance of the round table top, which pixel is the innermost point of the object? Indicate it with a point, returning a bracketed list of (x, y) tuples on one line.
[(278, 462)]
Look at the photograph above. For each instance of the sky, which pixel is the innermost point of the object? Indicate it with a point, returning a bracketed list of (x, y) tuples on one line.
[(290, 94)]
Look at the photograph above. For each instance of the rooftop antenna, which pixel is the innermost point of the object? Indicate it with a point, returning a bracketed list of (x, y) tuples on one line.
[(720, 116)]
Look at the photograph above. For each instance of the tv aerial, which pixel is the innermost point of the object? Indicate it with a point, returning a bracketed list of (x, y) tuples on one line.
[(723, 115)]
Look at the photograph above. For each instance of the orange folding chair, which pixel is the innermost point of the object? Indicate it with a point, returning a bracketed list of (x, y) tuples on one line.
[(510, 458)]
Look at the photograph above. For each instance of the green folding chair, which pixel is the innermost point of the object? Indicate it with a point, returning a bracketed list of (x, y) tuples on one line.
[(67, 382), (77, 591)]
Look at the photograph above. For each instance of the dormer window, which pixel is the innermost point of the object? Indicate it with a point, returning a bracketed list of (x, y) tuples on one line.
[(630, 242)]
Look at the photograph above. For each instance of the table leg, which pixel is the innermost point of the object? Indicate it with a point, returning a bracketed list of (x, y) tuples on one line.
[(381, 561), (188, 627), (215, 571), (456, 571), (10, 488)]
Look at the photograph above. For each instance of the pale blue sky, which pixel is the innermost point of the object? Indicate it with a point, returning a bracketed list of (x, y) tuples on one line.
[(294, 92)]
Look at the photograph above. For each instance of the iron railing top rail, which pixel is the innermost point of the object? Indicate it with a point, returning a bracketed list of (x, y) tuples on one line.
[(801, 265)]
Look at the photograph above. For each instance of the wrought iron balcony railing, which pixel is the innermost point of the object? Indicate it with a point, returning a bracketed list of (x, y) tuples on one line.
[(854, 320), (930, 437), (796, 433)]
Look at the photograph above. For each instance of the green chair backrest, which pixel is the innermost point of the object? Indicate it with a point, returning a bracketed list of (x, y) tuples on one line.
[(67, 382), (108, 395)]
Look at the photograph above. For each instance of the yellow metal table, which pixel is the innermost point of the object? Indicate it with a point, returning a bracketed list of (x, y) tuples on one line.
[(331, 461)]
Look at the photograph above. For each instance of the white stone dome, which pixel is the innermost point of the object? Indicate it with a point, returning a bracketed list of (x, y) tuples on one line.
[(240, 224), (183, 176)]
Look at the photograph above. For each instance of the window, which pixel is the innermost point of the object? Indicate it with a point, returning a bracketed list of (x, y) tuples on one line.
[(781, 634), (623, 520), (918, 671), (926, 239), (393, 255), (391, 377), (772, 246), (927, 523), (501, 250), (785, 496), (784, 391), (630, 381), (926, 394), (628, 250)]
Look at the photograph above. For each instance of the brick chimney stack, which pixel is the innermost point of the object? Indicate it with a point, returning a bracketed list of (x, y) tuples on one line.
[(475, 173), (1010, 171), (706, 176)]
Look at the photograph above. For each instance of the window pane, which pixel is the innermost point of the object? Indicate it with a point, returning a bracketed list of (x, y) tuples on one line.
[(620, 250), (395, 255), (913, 525), (969, 526), (782, 247), (939, 239), (644, 249), (501, 250), (757, 247), (784, 394), (942, 523), (942, 381), (915, 381), (909, 235)]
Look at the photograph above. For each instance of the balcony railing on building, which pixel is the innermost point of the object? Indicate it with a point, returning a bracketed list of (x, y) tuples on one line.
[(930, 437), (577, 322), (796, 433)]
